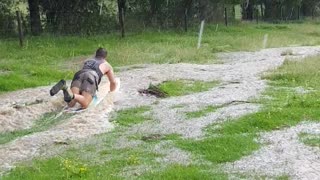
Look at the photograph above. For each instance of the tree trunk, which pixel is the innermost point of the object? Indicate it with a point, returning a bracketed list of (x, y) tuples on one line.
[(225, 16), (312, 13), (19, 28), (262, 11), (298, 12), (34, 17), (187, 6), (249, 11), (271, 10), (121, 7)]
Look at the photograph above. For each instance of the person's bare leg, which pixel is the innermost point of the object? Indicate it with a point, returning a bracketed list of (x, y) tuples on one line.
[(84, 99), (74, 90)]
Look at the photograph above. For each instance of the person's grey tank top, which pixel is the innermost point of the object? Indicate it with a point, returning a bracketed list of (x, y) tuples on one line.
[(94, 64)]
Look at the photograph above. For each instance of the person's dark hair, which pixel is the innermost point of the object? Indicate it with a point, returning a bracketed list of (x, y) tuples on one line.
[(101, 53)]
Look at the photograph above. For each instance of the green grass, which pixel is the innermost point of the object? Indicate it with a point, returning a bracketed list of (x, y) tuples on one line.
[(58, 168), (310, 139), (180, 172), (220, 149), (47, 121), (128, 117), (185, 87), (46, 59), (202, 112)]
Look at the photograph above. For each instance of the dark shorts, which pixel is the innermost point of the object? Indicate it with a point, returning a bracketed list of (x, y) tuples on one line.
[(86, 82)]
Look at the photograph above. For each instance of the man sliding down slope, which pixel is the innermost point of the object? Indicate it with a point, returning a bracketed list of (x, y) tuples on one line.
[(86, 81)]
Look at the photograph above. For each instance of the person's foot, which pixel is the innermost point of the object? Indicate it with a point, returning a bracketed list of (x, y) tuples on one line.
[(59, 86), (68, 96)]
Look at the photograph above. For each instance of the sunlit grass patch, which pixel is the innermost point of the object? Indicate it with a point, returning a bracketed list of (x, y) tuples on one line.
[(128, 117), (45, 122), (202, 112)]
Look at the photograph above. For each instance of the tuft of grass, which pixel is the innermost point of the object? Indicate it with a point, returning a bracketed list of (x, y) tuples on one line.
[(202, 112), (47, 121), (310, 139), (185, 87), (128, 117)]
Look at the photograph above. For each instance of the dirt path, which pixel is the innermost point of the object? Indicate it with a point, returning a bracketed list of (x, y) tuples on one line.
[(240, 81)]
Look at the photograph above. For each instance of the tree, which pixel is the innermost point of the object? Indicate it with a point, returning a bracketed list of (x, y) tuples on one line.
[(34, 17), (309, 7), (121, 13), (187, 8), (7, 18), (78, 16)]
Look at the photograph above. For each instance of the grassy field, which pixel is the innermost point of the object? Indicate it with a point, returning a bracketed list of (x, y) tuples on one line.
[(46, 59), (100, 159)]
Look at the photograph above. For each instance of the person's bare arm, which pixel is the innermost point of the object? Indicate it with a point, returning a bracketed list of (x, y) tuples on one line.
[(108, 71), (112, 80)]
